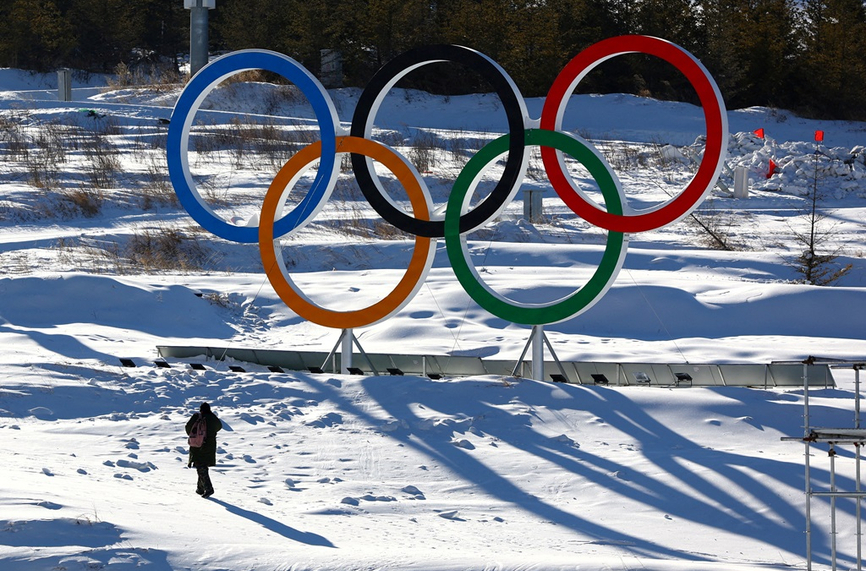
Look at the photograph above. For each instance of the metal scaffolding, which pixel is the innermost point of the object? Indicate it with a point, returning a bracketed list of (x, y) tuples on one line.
[(833, 437)]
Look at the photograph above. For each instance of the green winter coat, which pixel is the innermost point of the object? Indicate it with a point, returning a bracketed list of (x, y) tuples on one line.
[(206, 455)]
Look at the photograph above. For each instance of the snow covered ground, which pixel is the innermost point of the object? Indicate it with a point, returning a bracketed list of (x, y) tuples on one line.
[(337, 472)]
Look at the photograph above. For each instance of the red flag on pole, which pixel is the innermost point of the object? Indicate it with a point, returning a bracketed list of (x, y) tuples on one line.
[(772, 168), (760, 133), (819, 136)]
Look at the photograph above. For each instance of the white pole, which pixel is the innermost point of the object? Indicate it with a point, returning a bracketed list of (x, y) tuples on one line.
[(538, 352), (859, 513), (806, 434), (833, 507), (741, 182), (64, 85), (346, 351)]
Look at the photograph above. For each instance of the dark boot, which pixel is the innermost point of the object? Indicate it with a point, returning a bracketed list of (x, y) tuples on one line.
[(199, 485), (204, 481)]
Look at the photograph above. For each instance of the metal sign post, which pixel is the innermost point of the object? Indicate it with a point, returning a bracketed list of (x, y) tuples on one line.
[(198, 36)]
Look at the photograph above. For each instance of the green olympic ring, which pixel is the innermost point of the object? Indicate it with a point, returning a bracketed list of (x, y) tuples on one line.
[(458, 254)]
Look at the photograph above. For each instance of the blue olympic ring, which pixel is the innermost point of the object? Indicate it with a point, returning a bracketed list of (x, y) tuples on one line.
[(184, 112)]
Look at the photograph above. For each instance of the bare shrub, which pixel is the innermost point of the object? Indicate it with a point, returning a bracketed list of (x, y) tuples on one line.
[(156, 189), (283, 95), (534, 170), (274, 144), (13, 137), (86, 201), (46, 153), (214, 193), (219, 299), (103, 162), (387, 231), (123, 77), (100, 123), (155, 78), (457, 150), (620, 155), (165, 249), (50, 142), (248, 76), (41, 174), (422, 153), (390, 137), (715, 228)]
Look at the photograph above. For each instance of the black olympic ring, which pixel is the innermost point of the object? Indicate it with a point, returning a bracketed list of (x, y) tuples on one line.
[(515, 111)]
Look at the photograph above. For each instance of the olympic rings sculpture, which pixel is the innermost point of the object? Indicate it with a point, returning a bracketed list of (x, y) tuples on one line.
[(617, 217)]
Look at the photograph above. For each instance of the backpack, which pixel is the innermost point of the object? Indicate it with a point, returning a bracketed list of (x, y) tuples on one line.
[(198, 432)]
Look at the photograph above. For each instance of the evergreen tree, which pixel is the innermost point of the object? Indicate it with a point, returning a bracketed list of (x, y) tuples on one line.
[(750, 48), (832, 78), (104, 35), (36, 35), (161, 26), (803, 54), (677, 22)]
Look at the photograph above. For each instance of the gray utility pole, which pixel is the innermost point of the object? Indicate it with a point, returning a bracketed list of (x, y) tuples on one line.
[(198, 38)]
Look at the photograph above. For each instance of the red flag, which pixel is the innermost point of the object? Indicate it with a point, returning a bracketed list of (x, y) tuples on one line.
[(772, 168), (819, 136), (760, 133)]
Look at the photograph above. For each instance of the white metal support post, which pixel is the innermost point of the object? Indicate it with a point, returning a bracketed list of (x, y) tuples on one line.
[(346, 341), (858, 489), (346, 351), (807, 443), (537, 340), (538, 352)]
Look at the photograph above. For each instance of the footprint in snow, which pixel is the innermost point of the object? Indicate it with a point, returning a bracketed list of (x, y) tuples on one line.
[(47, 472)]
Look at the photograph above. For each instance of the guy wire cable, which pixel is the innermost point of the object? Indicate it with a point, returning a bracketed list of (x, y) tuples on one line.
[(658, 317), (261, 287)]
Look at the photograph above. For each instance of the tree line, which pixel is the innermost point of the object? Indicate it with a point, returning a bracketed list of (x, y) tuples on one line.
[(804, 55)]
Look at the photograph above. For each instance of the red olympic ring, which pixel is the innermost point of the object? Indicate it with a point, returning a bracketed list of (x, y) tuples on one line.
[(714, 116)]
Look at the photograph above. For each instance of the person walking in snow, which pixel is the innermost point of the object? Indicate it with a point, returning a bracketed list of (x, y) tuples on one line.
[(203, 455)]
